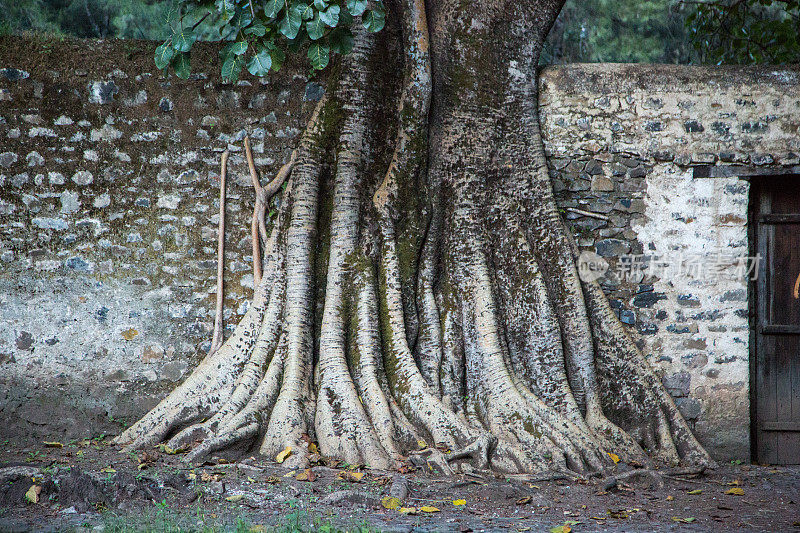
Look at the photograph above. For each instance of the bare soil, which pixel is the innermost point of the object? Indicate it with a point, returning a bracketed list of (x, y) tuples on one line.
[(90, 486)]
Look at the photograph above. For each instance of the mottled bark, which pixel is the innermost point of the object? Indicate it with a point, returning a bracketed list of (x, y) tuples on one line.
[(418, 291)]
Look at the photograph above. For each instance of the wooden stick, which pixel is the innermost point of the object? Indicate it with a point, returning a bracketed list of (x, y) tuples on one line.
[(216, 341)]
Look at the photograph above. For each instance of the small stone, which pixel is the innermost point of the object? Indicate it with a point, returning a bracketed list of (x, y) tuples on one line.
[(174, 370), (677, 384), (78, 264), (55, 178), (91, 155), (314, 92), (7, 159), (690, 408), (104, 200), (139, 99), (102, 92), (13, 74), (165, 105), (69, 202), (82, 177), (612, 247), (602, 184), (169, 201), (63, 120)]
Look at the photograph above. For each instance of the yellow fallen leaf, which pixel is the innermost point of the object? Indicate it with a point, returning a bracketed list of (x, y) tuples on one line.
[(614, 457), (312, 448), (428, 509), (273, 479), (290, 474), (422, 444), (408, 510), (281, 457), (688, 520), (735, 482), (459, 502), (129, 334), (235, 497), (33, 494), (351, 476), (695, 492), (52, 444), (258, 528), (108, 470), (251, 480), (560, 529), (390, 502), (306, 475), (191, 476), (670, 498), (736, 491)]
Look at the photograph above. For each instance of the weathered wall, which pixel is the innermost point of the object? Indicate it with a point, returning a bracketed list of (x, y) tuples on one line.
[(109, 205), (108, 216), (622, 141)]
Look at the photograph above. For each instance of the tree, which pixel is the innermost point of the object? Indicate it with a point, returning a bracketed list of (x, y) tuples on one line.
[(418, 290), (745, 31)]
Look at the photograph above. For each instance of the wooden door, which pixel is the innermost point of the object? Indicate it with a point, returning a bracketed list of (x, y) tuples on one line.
[(776, 373)]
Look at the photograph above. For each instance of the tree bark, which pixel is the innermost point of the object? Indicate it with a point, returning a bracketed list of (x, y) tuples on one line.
[(419, 291)]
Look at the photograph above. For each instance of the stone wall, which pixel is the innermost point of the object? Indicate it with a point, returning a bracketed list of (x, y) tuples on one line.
[(623, 141), (109, 205), (109, 212)]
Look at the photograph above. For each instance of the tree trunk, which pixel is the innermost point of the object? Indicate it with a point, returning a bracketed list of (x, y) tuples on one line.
[(419, 291)]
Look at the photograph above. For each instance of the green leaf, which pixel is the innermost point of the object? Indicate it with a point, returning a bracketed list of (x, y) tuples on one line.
[(181, 65), (330, 16), (231, 67), (164, 54), (242, 18), (341, 40), (290, 23), (320, 5), (226, 8), (278, 57), (257, 29), (374, 19), (319, 55), (260, 63), (315, 28), (272, 8), (183, 40), (239, 47), (306, 11), (356, 7), (296, 44)]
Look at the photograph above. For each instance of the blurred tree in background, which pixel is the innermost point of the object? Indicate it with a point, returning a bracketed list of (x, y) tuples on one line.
[(635, 31)]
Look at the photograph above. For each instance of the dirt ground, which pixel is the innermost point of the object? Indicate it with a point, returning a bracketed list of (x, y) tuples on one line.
[(89, 486)]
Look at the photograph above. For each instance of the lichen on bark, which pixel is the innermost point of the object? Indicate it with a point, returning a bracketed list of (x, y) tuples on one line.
[(431, 306)]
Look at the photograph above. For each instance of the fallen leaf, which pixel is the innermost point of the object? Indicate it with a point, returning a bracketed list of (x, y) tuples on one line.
[(523, 501), (428, 509), (258, 528), (281, 457), (235, 498), (523, 528), (33, 494), (251, 480), (735, 482), (459, 502), (273, 479), (422, 444), (614, 457), (108, 470), (129, 334), (736, 491), (52, 444), (688, 520), (390, 502), (312, 448), (354, 477), (695, 492), (408, 510), (670, 498), (306, 475), (290, 474), (560, 529), (620, 514), (170, 451)]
